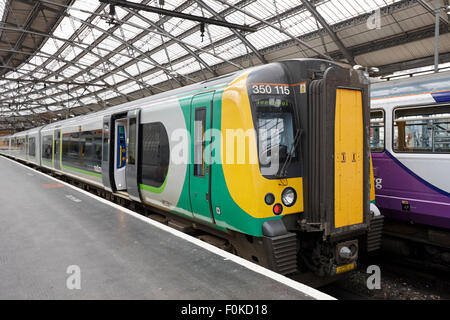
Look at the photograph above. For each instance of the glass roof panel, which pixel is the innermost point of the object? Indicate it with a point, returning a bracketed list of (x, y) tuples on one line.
[(125, 54)]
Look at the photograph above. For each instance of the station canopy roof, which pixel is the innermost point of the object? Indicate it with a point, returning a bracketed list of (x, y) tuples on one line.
[(62, 58)]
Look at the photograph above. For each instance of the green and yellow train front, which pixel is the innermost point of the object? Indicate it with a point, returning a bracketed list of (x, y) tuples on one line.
[(295, 166)]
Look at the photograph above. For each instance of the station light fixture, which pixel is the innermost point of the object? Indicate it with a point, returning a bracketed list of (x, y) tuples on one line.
[(370, 70)]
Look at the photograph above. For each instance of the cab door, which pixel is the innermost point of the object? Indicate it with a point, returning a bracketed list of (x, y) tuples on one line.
[(200, 168), (349, 166)]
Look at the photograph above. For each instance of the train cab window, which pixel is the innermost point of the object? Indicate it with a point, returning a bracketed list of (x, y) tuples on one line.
[(199, 142), (274, 124), (422, 129), (154, 156), (377, 131)]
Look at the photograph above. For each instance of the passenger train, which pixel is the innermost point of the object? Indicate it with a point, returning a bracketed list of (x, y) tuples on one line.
[(410, 142), (303, 202)]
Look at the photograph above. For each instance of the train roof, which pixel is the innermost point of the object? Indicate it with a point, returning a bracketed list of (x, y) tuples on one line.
[(429, 83), (210, 83)]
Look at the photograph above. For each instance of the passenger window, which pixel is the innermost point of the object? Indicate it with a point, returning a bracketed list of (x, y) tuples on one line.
[(422, 129), (199, 142), (83, 150), (47, 147), (32, 147), (155, 154), (377, 131)]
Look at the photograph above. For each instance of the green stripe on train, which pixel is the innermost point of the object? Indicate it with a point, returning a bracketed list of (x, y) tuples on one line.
[(154, 189), (90, 173)]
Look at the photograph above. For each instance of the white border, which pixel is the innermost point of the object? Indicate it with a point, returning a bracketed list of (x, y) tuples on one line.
[(316, 294)]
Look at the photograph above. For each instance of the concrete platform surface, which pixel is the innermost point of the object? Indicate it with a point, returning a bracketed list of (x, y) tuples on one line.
[(51, 233)]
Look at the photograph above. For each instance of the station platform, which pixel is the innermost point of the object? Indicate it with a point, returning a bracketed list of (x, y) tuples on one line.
[(51, 232)]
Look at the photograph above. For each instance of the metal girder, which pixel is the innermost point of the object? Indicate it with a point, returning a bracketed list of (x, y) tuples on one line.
[(330, 31), (130, 62), (29, 19), (53, 82), (80, 44), (92, 73), (432, 10), (411, 64), (237, 34), (96, 42), (73, 43), (145, 29), (65, 61), (276, 28), (127, 44), (28, 22), (125, 22), (180, 15), (415, 35), (167, 34), (73, 37)]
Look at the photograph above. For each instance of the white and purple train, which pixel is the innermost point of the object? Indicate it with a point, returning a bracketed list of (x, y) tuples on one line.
[(410, 142)]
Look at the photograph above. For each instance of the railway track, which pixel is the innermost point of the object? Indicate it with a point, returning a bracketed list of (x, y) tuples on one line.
[(402, 278)]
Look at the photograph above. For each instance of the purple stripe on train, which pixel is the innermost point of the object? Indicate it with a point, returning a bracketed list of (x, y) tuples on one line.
[(441, 96), (422, 202)]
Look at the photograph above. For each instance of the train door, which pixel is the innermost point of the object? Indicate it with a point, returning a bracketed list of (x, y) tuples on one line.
[(132, 174), (57, 149), (106, 153), (120, 154), (200, 168), (349, 149)]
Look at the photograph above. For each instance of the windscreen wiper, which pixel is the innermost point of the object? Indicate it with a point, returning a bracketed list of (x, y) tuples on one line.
[(287, 162)]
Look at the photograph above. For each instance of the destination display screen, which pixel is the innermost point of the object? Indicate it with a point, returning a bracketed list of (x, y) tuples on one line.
[(271, 102)]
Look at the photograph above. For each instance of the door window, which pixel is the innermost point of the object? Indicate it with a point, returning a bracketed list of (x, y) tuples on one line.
[(377, 131), (132, 140), (199, 142)]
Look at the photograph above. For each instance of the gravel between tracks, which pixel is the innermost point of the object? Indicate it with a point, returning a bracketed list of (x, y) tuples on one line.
[(394, 286)]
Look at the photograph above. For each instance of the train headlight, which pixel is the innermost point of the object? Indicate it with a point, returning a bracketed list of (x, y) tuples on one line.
[(288, 197)]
